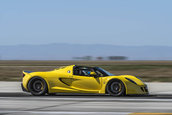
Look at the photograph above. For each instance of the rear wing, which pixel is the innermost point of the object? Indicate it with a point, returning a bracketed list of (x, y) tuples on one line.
[(26, 73)]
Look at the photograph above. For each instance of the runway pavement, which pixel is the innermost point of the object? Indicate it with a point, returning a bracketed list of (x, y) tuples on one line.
[(14, 102)]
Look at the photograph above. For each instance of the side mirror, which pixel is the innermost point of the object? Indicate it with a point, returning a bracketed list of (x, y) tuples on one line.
[(93, 74)]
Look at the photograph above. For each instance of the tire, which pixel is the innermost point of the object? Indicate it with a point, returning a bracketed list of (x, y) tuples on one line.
[(37, 86), (115, 88)]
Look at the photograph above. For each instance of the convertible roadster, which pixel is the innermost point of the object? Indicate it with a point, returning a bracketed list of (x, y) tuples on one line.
[(81, 79)]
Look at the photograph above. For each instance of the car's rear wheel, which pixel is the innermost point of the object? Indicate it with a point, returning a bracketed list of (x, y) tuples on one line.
[(115, 88), (37, 86)]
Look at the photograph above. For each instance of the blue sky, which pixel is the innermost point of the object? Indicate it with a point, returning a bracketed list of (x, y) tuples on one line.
[(117, 22)]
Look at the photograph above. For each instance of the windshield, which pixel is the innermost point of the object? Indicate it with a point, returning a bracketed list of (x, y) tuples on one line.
[(106, 73)]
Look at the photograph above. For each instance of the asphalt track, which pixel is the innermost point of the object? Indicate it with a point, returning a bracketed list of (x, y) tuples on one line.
[(15, 102)]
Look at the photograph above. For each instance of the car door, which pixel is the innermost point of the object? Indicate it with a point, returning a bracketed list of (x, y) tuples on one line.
[(86, 84)]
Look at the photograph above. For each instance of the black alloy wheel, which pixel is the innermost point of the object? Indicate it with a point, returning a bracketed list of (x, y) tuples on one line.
[(37, 86), (115, 88)]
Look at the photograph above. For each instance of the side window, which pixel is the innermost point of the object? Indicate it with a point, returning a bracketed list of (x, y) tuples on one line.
[(99, 73), (85, 72), (76, 72), (82, 72)]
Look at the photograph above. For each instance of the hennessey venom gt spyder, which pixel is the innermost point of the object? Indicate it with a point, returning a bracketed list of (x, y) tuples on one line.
[(81, 79)]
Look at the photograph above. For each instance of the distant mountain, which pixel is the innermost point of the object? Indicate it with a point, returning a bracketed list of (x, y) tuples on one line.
[(68, 51)]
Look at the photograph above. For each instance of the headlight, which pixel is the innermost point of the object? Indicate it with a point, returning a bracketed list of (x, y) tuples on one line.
[(131, 80)]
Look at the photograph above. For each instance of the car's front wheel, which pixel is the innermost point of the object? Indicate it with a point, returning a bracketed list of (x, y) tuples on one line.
[(115, 88), (37, 86)]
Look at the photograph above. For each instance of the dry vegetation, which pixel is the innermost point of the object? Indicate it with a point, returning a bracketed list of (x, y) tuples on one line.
[(147, 70)]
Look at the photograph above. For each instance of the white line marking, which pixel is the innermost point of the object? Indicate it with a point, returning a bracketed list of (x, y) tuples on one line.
[(68, 112)]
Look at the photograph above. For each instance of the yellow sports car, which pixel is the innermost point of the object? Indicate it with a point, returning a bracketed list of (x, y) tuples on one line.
[(81, 79)]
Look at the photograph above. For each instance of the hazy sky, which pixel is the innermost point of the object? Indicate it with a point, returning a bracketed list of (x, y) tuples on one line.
[(117, 22)]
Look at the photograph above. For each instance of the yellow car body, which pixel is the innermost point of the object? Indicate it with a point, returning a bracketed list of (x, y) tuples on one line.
[(63, 80)]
